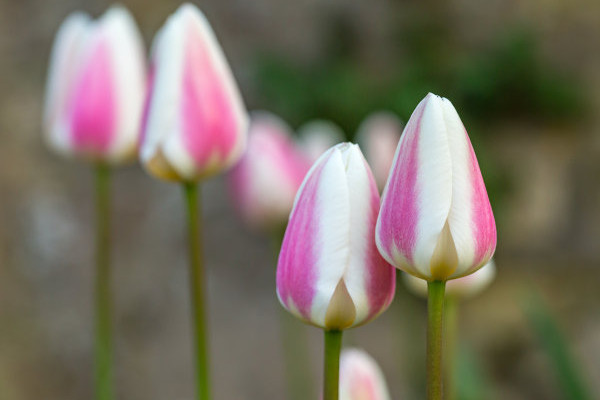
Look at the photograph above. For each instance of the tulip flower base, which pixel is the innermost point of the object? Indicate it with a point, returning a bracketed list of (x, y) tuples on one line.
[(103, 341), (435, 310), (197, 284), (331, 367)]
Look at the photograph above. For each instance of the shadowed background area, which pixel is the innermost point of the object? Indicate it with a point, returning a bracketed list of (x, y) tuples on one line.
[(525, 77)]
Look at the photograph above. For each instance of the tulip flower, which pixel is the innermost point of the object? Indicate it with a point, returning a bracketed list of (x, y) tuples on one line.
[(195, 121), (94, 99), (436, 221), (460, 288), (194, 127), (95, 88), (329, 272), (318, 136), (360, 377), (265, 181), (378, 136)]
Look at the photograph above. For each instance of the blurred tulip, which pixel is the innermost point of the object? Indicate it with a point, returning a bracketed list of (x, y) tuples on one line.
[(95, 88), (318, 136), (467, 286), (436, 221), (195, 122), (378, 137), (360, 377), (329, 272), (265, 181)]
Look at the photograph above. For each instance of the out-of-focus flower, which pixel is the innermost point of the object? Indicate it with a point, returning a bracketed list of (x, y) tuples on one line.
[(264, 182), (195, 121), (329, 272), (436, 221), (465, 287), (378, 137), (360, 377), (95, 88), (317, 136)]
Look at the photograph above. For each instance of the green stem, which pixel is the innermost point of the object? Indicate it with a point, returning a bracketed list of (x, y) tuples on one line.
[(197, 285), (435, 309), (331, 370), (451, 339), (103, 342)]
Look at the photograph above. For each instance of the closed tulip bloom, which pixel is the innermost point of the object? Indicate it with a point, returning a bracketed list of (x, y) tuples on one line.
[(465, 287), (318, 136), (436, 221), (329, 271), (360, 377), (378, 137), (95, 88), (265, 181), (195, 122)]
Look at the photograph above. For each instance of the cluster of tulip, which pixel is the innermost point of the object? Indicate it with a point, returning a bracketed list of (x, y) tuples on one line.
[(184, 116)]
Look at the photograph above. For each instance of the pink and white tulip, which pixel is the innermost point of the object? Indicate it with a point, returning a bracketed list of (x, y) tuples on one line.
[(436, 221), (360, 377), (195, 121), (378, 137), (329, 272), (96, 86), (465, 287), (318, 136), (264, 182)]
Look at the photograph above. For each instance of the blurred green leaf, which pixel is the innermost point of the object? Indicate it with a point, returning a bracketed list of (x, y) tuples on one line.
[(556, 347)]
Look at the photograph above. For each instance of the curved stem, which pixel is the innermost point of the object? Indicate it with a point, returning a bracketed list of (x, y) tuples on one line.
[(450, 340), (103, 342), (197, 285), (331, 371), (435, 309)]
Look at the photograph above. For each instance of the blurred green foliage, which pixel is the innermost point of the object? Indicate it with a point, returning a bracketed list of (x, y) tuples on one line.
[(556, 347), (508, 81)]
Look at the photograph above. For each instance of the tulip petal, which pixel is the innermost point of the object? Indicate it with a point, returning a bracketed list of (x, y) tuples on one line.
[(129, 68), (436, 221), (63, 64), (196, 118)]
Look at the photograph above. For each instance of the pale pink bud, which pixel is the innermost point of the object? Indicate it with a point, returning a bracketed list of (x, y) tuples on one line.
[(195, 122), (329, 272), (465, 287), (318, 136), (378, 137), (436, 221), (265, 181), (96, 86), (360, 377)]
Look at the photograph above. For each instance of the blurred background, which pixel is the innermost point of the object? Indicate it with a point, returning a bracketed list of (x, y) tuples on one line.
[(525, 77)]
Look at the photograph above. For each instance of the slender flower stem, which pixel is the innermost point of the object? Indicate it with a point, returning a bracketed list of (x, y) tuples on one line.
[(197, 291), (435, 308), (103, 341), (451, 341), (331, 370)]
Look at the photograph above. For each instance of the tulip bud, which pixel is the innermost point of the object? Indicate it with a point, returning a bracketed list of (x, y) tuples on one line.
[(329, 272), (465, 287), (318, 136), (265, 181), (378, 137), (195, 121), (360, 377), (436, 221), (96, 86)]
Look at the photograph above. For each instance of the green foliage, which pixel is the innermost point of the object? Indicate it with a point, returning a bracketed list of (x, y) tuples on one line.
[(556, 346)]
